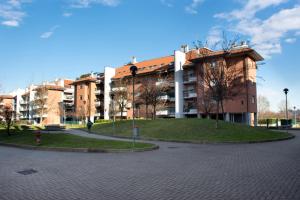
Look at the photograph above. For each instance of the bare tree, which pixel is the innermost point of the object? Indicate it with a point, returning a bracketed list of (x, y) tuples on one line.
[(151, 93), (40, 101), (7, 113), (263, 105), (121, 94), (207, 103)]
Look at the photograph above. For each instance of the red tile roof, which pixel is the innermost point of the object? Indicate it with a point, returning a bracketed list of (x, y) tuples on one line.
[(4, 96), (146, 66), (86, 79)]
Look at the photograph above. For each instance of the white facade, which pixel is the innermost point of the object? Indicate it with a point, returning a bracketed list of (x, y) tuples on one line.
[(109, 73), (179, 60)]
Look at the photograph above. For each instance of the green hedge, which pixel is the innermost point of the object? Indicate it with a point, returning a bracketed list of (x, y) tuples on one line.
[(264, 121), (102, 121)]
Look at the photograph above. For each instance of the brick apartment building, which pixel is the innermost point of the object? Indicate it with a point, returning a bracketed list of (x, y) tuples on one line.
[(57, 107), (183, 72), (90, 95)]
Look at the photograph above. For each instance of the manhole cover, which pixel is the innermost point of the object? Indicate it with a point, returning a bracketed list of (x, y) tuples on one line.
[(27, 171), (173, 147)]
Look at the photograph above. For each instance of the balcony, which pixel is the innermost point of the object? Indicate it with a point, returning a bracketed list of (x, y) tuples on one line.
[(97, 103), (98, 92), (69, 90), (68, 98), (22, 102), (191, 78), (191, 111), (190, 94), (167, 83), (166, 112), (167, 98), (24, 109), (119, 89)]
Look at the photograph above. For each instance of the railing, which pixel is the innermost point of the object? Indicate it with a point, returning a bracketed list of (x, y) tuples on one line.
[(68, 97), (97, 103), (69, 90), (167, 83), (118, 89), (166, 97), (189, 78), (98, 91), (189, 94), (190, 111), (166, 112)]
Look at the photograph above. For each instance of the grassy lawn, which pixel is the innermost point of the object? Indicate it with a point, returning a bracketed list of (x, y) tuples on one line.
[(196, 130), (26, 137)]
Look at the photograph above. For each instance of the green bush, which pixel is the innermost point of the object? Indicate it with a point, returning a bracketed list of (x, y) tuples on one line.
[(264, 121), (102, 121)]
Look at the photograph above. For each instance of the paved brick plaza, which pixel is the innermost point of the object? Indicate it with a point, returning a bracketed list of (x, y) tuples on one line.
[(175, 171)]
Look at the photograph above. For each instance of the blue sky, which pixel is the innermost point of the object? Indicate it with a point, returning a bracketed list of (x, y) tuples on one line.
[(46, 39)]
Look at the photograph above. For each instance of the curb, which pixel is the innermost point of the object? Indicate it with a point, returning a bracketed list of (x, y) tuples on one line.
[(206, 142), (82, 150)]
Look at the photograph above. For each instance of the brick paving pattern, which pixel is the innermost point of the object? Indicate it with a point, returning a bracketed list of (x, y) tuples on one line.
[(175, 171)]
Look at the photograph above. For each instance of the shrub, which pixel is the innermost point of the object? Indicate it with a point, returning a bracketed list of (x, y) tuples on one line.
[(102, 121)]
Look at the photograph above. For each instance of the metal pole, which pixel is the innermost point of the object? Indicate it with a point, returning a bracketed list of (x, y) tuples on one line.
[(133, 125), (114, 118), (286, 112), (295, 113)]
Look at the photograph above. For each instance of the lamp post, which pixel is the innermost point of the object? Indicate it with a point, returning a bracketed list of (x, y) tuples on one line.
[(285, 90), (133, 70), (295, 116), (112, 95)]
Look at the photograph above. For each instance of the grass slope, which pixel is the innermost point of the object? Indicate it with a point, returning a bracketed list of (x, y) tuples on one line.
[(65, 140), (196, 130)]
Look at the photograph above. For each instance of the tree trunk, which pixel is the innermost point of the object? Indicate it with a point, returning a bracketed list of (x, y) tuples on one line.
[(154, 111), (121, 112), (222, 107), (217, 117), (8, 128), (146, 111)]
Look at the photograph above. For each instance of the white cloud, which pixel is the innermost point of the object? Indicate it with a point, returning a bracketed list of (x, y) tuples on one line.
[(88, 3), (290, 40), (191, 9), (266, 35), (13, 23), (48, 34), (11, 12), (67, 14), (214, 36)]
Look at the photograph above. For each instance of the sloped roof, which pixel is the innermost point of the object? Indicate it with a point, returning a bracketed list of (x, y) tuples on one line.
[(146, 66), (86, 79), (4, 96)]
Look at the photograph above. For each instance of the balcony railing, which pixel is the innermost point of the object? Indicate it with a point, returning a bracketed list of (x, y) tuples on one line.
[(118, 89), (167, 98), (167, 83), (190, 111), (69, 97), (97, 92), (191, 78), (97, 103), (69, 90), (166, 112), (189, 94)]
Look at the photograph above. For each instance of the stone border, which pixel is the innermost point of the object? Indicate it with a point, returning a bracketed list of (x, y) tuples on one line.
[(206, 142), (83, 150)]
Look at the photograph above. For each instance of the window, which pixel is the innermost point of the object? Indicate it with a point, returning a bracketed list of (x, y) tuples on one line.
[(81, 86), (81, 97), (242, 102), (253, 99)]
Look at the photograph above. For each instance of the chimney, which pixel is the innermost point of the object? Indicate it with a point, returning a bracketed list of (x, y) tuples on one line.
[(184, 48), (133, 60)]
